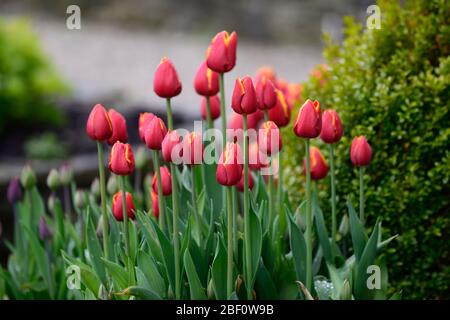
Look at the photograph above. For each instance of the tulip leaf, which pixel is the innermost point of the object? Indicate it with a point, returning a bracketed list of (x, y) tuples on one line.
[(214, 189), (94, 249), (298, 248), (118, 273), (255, 241), (322, 231), (195, 286), (264, 286), (149, 236), (88, 278), (148, 267), (218, 272), (140, 292), (359, 237)]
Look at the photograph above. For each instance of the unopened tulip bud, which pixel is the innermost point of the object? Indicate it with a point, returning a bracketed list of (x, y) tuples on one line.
[(95, 187), (206, 81), (319, 167), (214, 107), (121, 159), (331, 127), (210, 290), (79, 199), (144, 120), (142, 157), (166, 181), (308, 123), (27, 177), (244, 96), (51, 203), (281, 113), (112, 186), (192, 149), (99, 127), (117, 208), (166, 82), (221, 53), (265, 94), (269, 138), (344, 226), (119, 127), (155, 204), (155, 133), (99, 229), (14, 193), (346, 291), (229, 169), (171, 147), (240, 184), (44, 231), (65, 174), (53, 180), (360, 152)]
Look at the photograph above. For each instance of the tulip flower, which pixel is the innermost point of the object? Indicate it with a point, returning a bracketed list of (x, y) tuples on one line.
[(53, 180), (171, 147), (155, 206), (229, 169), (331, 127), (281, 85), (360, 152), (144, 120), (293, 93), (281, 113), (117, 206), (166, 83), (319, 167), (214, 107), (27, 177), (165, 182), (266, 72), (256, 158), (308, 123), (206, 81), (119, 128), (155, 133), (121, 159), (192, 149), (240, 184), (14, 193), (236, 123), (244, 96), (269, 138), (45, 233), (265, 94), (99, 126), (221, 54)]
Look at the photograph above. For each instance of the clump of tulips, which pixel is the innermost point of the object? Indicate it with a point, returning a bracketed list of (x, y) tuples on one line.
[(212, 220)]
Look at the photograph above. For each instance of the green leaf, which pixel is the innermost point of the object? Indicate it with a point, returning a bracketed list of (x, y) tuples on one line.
[(255, 241), (149, 235), (88, 278), (322, 232), (298, 248), (359, 237), (94, 250), (118, 273), (264, 286), (150, 270), (195, 286), (219, 271), (140, 292)]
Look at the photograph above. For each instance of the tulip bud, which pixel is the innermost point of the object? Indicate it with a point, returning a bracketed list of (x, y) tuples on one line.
[(121, 159), (360, 152), (144, 120), (44, 231), (155, 204), (265, 94), (206, 81), (244, 96), (266, 72), (166, 83), (95, 187), (214, 107), (236, 122), (256, 158), (210, 290), (65, 174), (155, 133), (229, 169), (119, 127), (240, 184), (99, 229), (308, 122), (192, 149), (51, 202), (99, 125), (79, 199), (14, 193), (53, 180), (112, 186), (346, 291), (117, 208), (319, 168), (331, 127), (281, 113), (171, 147), (166, 181), (221, 53), (141, 157), (27, 177), (269, 138), (344, 226)]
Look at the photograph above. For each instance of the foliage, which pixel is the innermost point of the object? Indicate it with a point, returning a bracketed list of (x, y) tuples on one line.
[(393, 85), (45, 146)]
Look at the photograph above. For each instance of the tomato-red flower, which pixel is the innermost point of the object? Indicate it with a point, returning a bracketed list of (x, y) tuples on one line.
[(265, 94), (281, 113), (331, 127), (192, 149), (360, 152), (309, 121), (166, 83), (269, 138), (119, 126), (144, 121), (214, 107), (166, 181), (206, 81), (170, 142), (155, 133), (319, 167), (117, 208), (229, 169), (221, 53), (121, 159), (99, 125), (240, 184)]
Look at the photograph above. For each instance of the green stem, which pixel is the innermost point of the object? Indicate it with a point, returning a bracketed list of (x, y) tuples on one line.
[(361, 194), (208, 113), (282, 216), (223, 118), (308, 220), (235, 213), (169, 114), (229, 242), (101, 171), (333, 197), (194, 204), (247, 215), (125, 216), (266, 115), (162, 214)]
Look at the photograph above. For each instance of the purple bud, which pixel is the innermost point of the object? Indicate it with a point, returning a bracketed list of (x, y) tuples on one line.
[(14, 193), (44, 231)]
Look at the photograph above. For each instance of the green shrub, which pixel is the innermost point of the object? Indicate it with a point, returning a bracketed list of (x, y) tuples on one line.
[(393, 85), (28, 83)]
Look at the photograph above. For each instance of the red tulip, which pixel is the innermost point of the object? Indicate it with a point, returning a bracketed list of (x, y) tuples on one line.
[(192, 149), (155, 204), (282, 85), (319, 168), (206, 81), (360, 152), (155, 133), (166, 83), (269, 138), (244, 96), (256, 158), (293, 93), (117, 208), (235, 124), (281, 113), (99, 125), (119, 126), (121, 159), (331, 127), (240, 184), (266, 72), (308, 122), (221, 54), (214, 107), (229, 169), (265, 94), (166, 181), (144, 121), (171, 140)]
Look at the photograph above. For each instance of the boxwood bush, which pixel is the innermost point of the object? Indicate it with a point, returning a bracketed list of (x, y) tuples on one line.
[(393, 85)]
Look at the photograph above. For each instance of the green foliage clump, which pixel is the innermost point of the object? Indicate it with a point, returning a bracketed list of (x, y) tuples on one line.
[(28, 83), (393, 85)]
